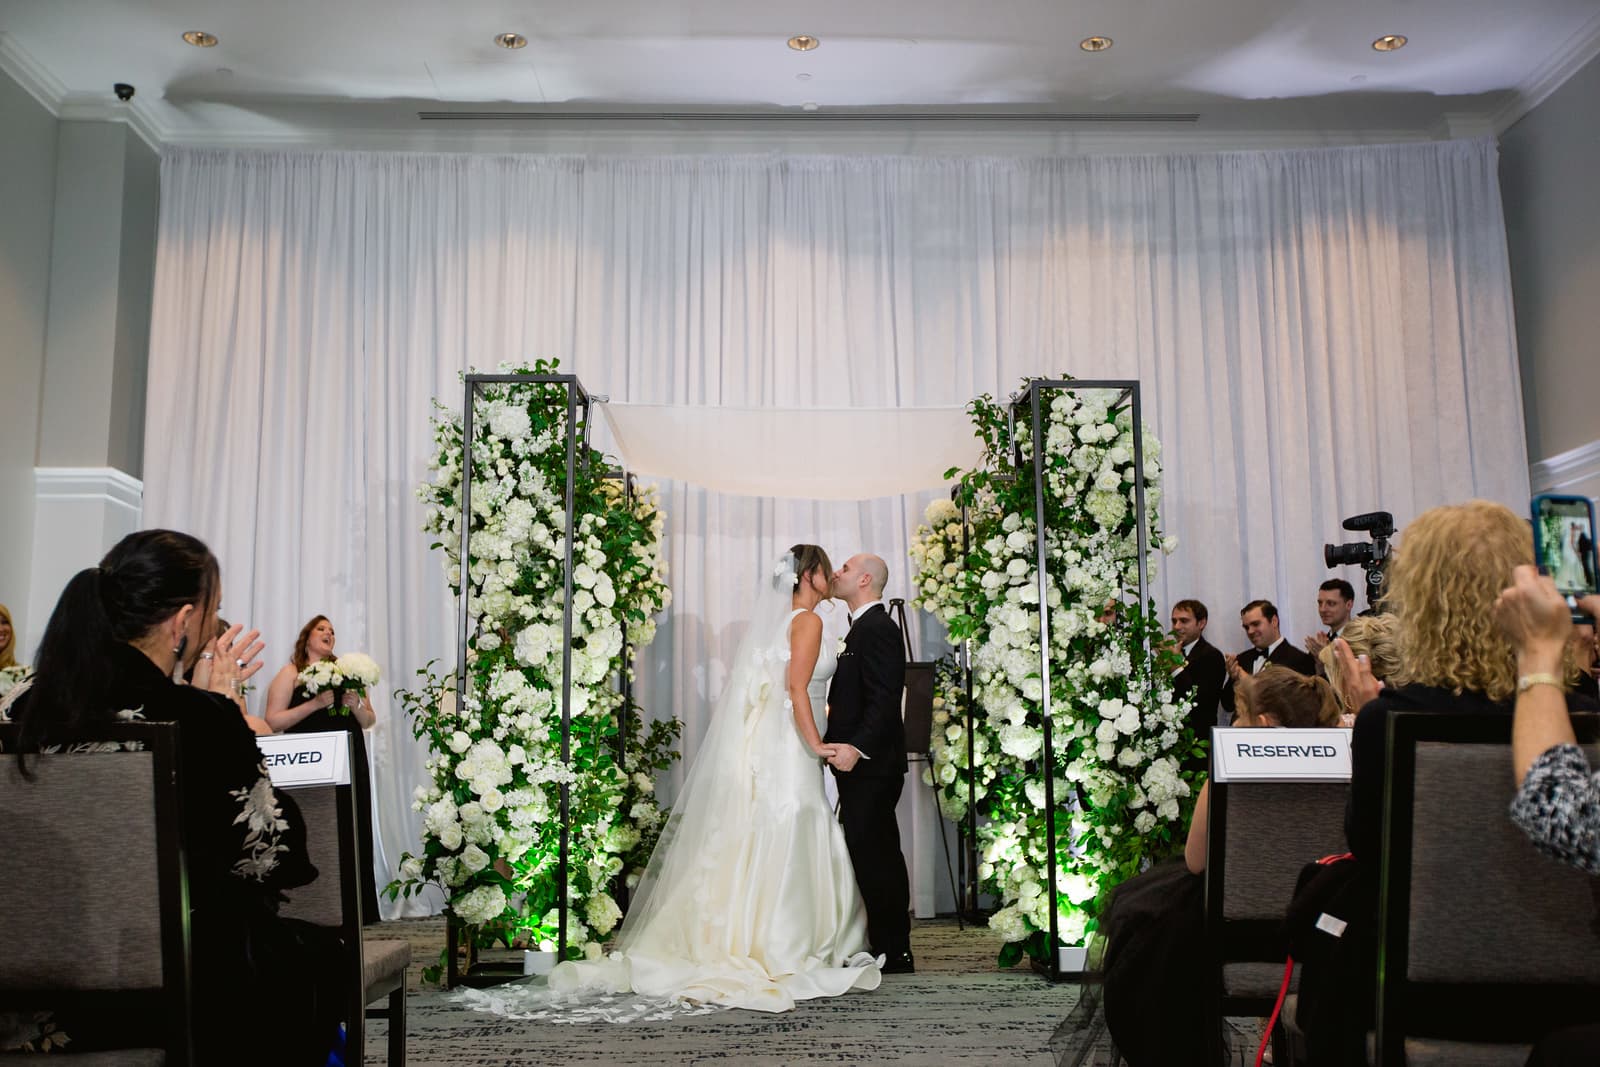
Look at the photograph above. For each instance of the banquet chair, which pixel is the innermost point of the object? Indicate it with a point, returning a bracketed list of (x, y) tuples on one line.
[(375, 968), (1259, 836), (1486, 945), (95, 921)]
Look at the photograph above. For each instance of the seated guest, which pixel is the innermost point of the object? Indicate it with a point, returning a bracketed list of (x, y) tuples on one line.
[(1275, 697), (1451, 564), (291, 709), (1335, 598), (225, 664), (117, 636), (1202, 673), (1372, 638), (1152, 934), (1268, 645), (1558, 795), (1558, 801)]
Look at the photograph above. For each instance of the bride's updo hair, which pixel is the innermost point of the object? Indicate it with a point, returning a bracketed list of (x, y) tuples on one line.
[(808, 558)]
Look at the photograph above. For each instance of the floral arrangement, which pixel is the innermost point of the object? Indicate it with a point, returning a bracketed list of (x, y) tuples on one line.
[(353, 672), (492, 819), (1118, 735)]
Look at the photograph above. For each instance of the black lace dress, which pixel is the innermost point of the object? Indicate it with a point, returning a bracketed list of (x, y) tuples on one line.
[(266, 989), (328, 720)]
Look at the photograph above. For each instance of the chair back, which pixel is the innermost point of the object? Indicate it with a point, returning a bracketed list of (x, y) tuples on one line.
[(97, 908), (333, 899), (1482, 937), (1260, 835)]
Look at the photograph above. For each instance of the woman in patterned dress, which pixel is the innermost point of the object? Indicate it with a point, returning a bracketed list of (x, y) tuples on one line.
[(119, 634)]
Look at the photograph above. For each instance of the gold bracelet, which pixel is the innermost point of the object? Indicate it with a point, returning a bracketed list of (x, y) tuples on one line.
[(1528, 681)]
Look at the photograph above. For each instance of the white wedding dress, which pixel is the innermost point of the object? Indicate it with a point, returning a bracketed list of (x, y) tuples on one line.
[(749, 900)]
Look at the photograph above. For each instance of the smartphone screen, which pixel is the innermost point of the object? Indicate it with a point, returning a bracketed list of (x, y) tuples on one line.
[(1564, 542)]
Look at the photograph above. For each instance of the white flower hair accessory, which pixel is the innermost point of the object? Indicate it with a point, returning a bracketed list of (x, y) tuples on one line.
[(783, 571)]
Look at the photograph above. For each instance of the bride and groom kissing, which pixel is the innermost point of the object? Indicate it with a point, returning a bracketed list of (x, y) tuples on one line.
[(756, 895)]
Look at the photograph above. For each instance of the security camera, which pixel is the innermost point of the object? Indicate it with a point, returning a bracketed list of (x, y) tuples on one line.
[(124, 91)]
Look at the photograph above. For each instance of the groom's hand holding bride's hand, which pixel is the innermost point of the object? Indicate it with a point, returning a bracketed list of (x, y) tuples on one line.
[(844, 757)]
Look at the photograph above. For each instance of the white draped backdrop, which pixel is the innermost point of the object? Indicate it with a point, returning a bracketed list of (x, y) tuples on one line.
[(1318, 333)]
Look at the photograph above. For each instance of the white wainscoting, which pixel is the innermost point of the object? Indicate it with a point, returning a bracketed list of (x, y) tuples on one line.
[(78, 513), (1577, 472)]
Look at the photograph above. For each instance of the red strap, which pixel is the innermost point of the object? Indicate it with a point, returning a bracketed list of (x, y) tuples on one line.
[(1283, 991), (1288, 972)]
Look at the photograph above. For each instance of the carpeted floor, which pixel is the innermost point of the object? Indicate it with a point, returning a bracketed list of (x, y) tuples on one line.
[(959, 1008)]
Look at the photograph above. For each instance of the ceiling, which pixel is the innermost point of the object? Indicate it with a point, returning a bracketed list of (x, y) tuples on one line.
[(366, 71)]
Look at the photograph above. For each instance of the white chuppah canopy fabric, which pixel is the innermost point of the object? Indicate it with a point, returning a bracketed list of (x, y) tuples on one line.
[(815, 454), (1318, 333)]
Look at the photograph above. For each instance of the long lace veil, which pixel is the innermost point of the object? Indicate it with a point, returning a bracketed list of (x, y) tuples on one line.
[(714, 806)]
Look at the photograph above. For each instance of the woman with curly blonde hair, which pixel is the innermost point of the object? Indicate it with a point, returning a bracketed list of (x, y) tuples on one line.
[(1377, 637), (1450, 566)]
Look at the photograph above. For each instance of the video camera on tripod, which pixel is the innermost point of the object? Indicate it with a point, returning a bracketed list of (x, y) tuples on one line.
[(1372, 556)]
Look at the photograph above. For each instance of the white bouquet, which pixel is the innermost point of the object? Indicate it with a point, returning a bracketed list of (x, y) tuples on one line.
[(352, 672)]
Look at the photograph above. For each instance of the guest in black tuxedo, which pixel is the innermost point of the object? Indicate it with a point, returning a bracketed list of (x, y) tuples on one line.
[(1335, 599), (870, 766), (1268, 645), (1203, 673)]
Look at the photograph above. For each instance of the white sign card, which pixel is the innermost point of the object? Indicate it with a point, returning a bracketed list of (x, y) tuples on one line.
[(306, 759), (1262, 754)]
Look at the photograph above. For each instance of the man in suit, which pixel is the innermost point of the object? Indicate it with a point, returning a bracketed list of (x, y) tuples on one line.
[(1335, 598), (1203, 671), (870, 766), (1267, 645)]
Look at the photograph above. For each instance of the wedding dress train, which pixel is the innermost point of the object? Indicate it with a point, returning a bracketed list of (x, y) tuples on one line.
[(749, 900)]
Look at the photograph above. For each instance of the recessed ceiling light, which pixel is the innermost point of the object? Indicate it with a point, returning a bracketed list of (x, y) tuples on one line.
[(1095, 44), (200, 38), (510, 40), (1389, 42), (803, 42)]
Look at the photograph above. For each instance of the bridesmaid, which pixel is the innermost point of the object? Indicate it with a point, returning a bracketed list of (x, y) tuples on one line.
[(292, 710), (8, 639)]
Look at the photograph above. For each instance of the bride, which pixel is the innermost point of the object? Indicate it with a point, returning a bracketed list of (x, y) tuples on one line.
[(749, 899)]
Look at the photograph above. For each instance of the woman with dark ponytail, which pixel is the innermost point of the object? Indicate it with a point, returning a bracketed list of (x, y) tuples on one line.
[(119, 635)]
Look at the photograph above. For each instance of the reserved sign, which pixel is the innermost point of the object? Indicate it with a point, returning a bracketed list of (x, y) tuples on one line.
[(1261, 754), (306, 759)]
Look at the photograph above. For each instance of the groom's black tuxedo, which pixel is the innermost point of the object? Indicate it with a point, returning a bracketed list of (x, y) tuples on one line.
[(864, 710), (864, 697)]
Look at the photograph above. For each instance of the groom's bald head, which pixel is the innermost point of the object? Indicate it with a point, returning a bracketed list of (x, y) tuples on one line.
[(861, 579), (877, 570)]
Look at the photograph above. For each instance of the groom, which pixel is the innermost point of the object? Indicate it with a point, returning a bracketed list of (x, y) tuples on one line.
[(870, 764)]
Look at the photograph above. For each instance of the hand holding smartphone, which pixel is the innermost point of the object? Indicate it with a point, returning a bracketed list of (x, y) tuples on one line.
[(1564, 547)]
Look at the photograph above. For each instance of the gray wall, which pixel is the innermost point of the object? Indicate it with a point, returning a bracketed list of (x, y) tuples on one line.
[(1548, 165), (27, 192), (101, 273)]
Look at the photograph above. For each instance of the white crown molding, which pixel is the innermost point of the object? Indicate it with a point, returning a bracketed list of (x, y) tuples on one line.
[(876, 138), (88, 483), (27, 72), (1536, 88), (1571, 469), (46, 88), (79, 107)]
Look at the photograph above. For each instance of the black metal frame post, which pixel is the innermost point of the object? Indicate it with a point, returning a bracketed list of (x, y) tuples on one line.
[(577, 397), (1033, 396), (969, 826)]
